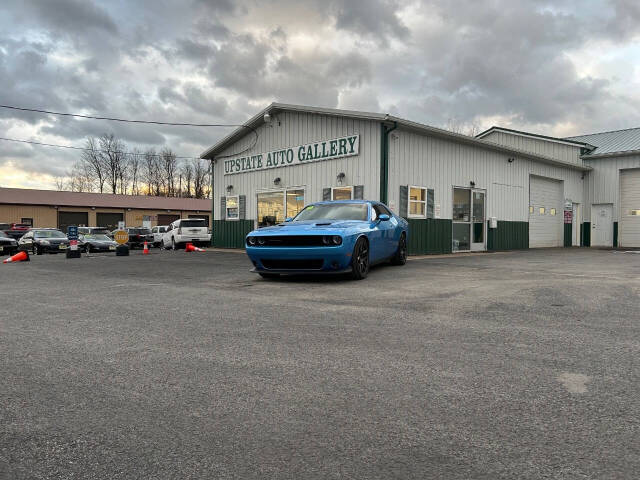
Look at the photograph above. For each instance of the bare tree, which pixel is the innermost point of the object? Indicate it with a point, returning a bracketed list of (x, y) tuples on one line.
[(470, 129), (200, 177), (79, 178), (168, 163), (186, 176), (60, 183), (112, 153), (93, 163)]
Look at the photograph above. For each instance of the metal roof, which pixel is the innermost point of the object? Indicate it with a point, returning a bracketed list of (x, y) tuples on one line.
[(534, 135), (25, 196), (258, 119), (611, 143)]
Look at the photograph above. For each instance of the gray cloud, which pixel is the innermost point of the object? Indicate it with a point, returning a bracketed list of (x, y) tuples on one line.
[(220, 61)]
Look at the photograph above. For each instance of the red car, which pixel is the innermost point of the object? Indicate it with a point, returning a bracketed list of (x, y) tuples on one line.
[(17, 230)]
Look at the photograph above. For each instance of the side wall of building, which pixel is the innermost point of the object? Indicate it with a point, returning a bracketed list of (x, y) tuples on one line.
[(561, 151), (439, 164)]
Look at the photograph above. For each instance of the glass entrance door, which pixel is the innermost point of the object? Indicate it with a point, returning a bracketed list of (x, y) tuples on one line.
[(469, 226)]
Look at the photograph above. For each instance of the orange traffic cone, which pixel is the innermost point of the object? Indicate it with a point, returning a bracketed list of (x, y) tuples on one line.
[(190, 248), (145, 251), (18, 257), (197, 249)]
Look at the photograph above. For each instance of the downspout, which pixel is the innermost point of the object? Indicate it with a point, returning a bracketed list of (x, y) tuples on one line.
[(384, 160), (213, 201)]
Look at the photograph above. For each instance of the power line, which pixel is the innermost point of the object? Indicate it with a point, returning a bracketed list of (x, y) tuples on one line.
[(31, 142), (126, 120), (148, 122)]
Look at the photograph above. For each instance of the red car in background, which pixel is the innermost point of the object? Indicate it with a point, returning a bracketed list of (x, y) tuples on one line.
[(17, 230)]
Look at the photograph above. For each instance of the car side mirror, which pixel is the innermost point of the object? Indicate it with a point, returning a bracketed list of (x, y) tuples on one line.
[(288, 219), (384, 217)]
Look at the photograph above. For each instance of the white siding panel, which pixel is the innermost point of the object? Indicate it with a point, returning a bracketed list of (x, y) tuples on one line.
[(290, 129), (440, 164), (629, 234), (546, 230)]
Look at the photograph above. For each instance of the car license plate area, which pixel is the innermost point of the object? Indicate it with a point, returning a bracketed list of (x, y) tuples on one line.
[(111, 247), (62, 247)]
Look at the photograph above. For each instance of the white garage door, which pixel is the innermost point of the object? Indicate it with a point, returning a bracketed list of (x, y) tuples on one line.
[(545, 212), (629, 235)]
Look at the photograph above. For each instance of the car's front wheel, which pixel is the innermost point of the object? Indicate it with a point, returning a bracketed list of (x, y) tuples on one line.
[(360, 259), (173, 243), (400, 257)]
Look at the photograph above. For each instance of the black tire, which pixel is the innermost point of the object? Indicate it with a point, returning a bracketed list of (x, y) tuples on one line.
[(37, 250), (268, 275), (400, 257), (162, 245), (173, 243), (360, 260)]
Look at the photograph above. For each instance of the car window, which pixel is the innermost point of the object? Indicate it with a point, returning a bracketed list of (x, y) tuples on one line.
[(374, 214), (380, 210), (334, 211), (49, 234), (192, 223)]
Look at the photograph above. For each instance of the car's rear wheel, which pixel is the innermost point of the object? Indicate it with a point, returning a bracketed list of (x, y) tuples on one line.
[(400, 257), (360, 259), (173, 243), (162, 245)]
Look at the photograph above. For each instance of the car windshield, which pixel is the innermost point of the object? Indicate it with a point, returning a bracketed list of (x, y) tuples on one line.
[(140, 231), (4, 235), (49, 234), (192, 223), (334, 211), (98, 237)]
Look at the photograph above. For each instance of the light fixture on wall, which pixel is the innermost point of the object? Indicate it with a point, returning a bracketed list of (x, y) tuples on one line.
[(472, 183), (128, 209), (229, 188), (93, 208), (277, 181), (340, 178), (510, 159)]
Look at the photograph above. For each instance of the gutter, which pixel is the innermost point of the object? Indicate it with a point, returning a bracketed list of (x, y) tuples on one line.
[(622, 153), (384, 160)]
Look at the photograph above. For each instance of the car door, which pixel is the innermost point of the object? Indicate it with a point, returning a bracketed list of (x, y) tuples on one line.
[(26, 241), (388, 230)]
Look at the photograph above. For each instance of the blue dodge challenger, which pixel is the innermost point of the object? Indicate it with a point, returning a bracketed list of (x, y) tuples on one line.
[(330, 237)]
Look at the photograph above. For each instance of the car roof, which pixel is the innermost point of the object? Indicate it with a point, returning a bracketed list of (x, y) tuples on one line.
[(328, 202)]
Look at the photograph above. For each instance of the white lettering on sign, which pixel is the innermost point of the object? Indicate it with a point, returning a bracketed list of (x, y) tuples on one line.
[(311, 152)]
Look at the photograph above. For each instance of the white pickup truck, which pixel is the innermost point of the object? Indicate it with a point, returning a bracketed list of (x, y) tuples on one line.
[(186, 230), (158, 233)]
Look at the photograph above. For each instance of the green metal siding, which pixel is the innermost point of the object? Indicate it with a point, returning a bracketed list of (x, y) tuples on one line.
[(231, 234), (429, 236), (567, 234), (586, 234), (508, 236), (615, 234)]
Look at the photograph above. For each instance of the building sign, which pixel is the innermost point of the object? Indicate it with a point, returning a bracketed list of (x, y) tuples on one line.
[(311, 152)]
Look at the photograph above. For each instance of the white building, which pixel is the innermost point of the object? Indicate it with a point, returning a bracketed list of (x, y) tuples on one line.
[(502, 190)]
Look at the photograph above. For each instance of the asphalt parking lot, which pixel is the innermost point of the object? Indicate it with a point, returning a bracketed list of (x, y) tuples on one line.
[(186, 365)]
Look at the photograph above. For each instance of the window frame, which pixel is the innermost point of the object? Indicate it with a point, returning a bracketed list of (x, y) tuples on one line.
[(409, 201), (350, 187), (226, 208), (29, 222)]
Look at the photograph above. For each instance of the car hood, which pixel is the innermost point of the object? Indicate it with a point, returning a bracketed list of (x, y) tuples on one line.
[(311, 227), (7, 240)]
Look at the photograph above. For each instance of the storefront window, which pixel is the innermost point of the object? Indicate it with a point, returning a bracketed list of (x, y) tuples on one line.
[(232, 208), (461, 204), (417, 202), (295, 202), (342, 193), (273, 205)]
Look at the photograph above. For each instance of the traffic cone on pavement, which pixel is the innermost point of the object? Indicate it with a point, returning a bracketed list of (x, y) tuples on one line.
[(190, 248), (145, 251), (18, 257)]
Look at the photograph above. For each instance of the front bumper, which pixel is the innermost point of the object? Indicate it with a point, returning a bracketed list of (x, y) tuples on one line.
[(325, 259), (194, 239)]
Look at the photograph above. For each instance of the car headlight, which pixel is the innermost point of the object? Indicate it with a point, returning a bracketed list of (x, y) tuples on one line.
[(337, 240), (326, 240), (261, 241), (332, 240), (251, 240), (44, 242)]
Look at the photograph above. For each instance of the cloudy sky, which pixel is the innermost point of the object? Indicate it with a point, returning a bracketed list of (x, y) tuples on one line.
[(560, 67)]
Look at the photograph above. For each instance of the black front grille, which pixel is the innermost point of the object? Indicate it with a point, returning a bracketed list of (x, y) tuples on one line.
[(291, 241), (297, 264)]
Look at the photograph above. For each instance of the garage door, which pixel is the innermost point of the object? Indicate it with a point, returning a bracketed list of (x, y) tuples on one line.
[(545, 212), (79, 219), (108, 220), (167, 219), (629, 235)]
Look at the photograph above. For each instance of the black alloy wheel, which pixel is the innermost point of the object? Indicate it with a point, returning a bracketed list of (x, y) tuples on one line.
[(400, 257), (360, 260)]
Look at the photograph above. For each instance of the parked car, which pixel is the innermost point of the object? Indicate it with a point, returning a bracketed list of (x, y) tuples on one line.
[(186, 230), (158, 232), (330, 237), (93, 230), (17, 230), (43, 240), (96, 242), (137, 236), (8, 245)]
